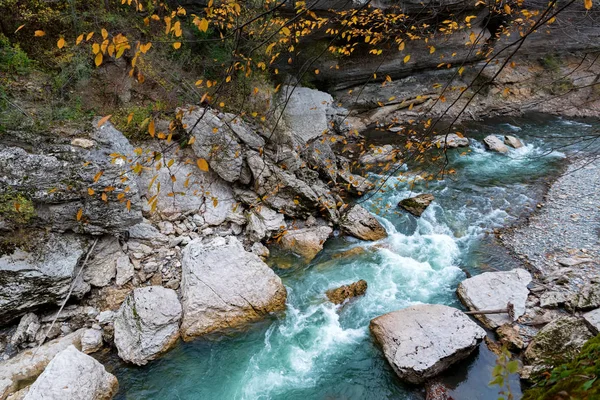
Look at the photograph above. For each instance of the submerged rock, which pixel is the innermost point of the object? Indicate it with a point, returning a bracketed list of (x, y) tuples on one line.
[(493, 291), (360, 223), (147, 324), (493, 143), (423, 340), (513, 142), (339, 295), (558, 341), (417, 205), (306, 242), (223, 286), (450, 141), (72, 375)]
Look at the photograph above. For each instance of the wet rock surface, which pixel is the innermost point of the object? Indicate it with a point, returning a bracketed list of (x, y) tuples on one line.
[(416, 205), (358, 222), (346, 292)]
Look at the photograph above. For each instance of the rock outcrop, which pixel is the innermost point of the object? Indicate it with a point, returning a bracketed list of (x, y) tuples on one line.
[(493, 143), (223, 286), (306, 242), (360, 223), (72, 375), (416, 205), (421, 341), (341, 294), (593, 320), (262, 221), (147, 324), (493, 291)]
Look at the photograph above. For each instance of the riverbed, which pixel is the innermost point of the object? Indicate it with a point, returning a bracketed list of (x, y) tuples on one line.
[(316, 350)]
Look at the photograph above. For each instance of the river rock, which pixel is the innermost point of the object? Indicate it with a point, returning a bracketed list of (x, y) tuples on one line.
[(593, 320), (360, 223), (22, 369), (354, 183), (304, 114), (416, 205), (553, 298), (423, 340), (509, 335), (379, 155), (339, 295), (39, 275), (223, 286), (306, 242), (450, 141), (147, 324), (513, 142), (492, 291), (493, 143), (91, 341), (263, 220), (557, 342), (72, 375), (260, 250), (125, 270)]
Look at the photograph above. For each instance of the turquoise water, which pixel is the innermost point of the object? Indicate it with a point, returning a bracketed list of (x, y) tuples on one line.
[(316, 350)]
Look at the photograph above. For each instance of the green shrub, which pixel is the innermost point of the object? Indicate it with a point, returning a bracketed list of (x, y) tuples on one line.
[(13, 60)]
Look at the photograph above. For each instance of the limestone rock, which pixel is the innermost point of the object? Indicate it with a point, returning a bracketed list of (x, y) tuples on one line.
[(72, 375), (379, 155), (304, 113), (223, 286), (306, 242), (493, 290), (559, 341), (450, 141), (423, 340), (125, 270), (91, 341), (513, 142), (553, 298), (593, 320), (588, 297), (260, 250), (26, 330), (147, 232), (263, 220), (147, 324), (101, 267), (358, 222), (42, 276), (493, 143), (417, 205), (354, 183), (320, 155), (510, 335), (339, 295)]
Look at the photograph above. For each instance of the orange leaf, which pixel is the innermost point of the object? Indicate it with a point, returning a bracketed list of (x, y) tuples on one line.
[(202, 164), (79, 39), (79, 214), (104, 197), (104, 33), (39, 33), (176, 45), (91, 191), (19, 28), (98, 175), (151, 128), (89, 36), (128, 205), (587, 4), (203, 26), (98, 59), (61, 43), (129, 118), (103, 120)]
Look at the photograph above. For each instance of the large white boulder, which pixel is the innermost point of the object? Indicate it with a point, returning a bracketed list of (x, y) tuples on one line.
[(423, 340), (224, 286), (147, 324), (72, 375), (492, 142), (493, 291), (360, 223)]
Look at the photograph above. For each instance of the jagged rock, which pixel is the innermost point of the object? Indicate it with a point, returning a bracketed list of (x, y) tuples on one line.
[(509, 335), (26, 330), (304, 114), (147, 324), (593, 320), (360, 223), (260, 250), (353, 252), (215, 142), (436, 391), (91, 341), (379, 155), (492, 291), (147, 232), (417, 205), (559, 341), (40, 277), (319, 155), (263, 220), (553, 299), (306, 242), (354, 183), (101, 267), (72, 375), (513, 142), (588, 297), (125, 270), (22, 369), (493, 143), (423, 340), (339, 295), (450, 141), (223, 286)]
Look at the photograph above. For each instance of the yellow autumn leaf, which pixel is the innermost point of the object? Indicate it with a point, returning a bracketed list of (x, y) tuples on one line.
[(39, 33), (79, 39), (89, 36), (407, 59), (202, 164), (431, 50), (203, 26), (507, 9), (587, 4), (19, 28), (98, 59), (176, 45), (104, 33), (286, 31), (79, 214), (103, 120), (61, 43), (91, 191), (97, 176), (461, 70), (151, 128), (316, 72)]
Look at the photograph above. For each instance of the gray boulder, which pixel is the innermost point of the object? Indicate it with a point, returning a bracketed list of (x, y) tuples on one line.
[(417, 205), (423, 340), (101, 267), (306, 242), (360, 223), (513, 142), (450, 141), (493, 143), (320, 156), (147, 324), (91, 340), (492, 291), (593, 320), (40, 275), (72, 375), (223, 286), (379, 155), (588, 297), (263, 220), (26, 330)]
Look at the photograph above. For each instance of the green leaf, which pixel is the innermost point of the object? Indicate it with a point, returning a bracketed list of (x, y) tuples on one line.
[(588, 384), (512, 367), (497, 370)]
